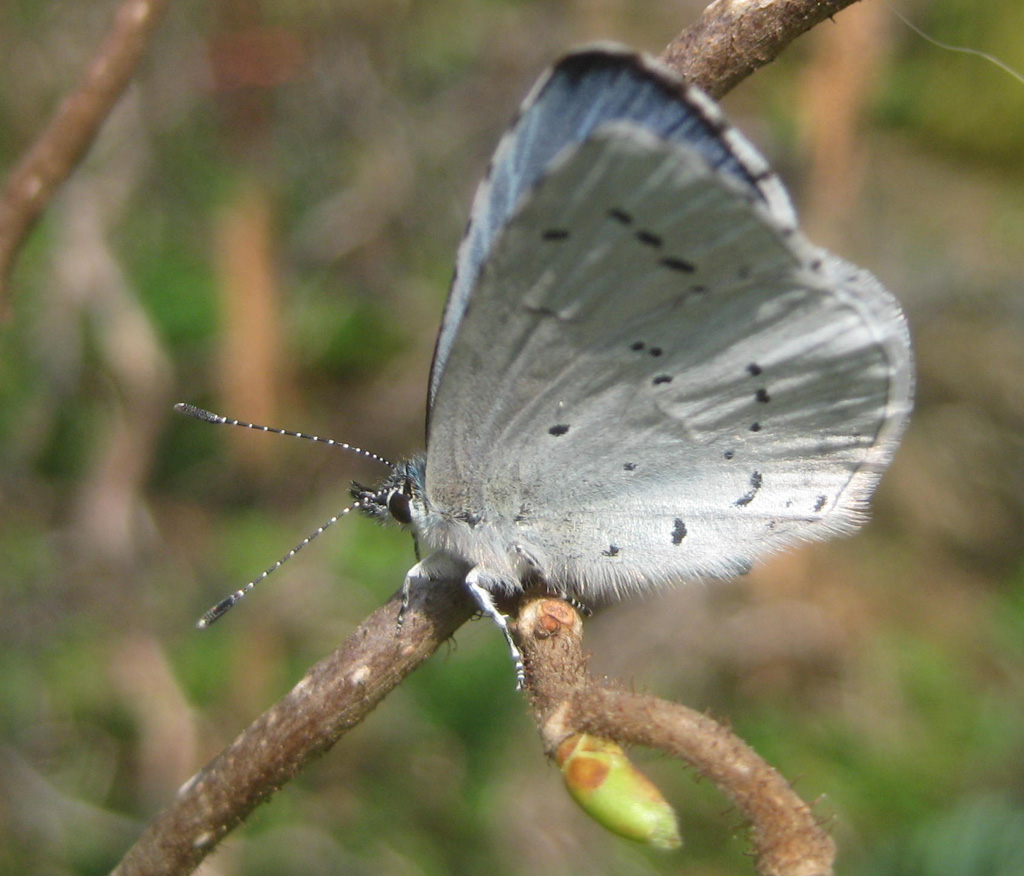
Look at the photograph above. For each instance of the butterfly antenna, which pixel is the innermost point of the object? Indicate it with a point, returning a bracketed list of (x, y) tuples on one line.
[(221, 608), (210, 417)]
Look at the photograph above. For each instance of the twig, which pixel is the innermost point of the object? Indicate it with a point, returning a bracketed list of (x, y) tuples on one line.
[(787, 839), (71, 130), (731, 39), (334, 696)]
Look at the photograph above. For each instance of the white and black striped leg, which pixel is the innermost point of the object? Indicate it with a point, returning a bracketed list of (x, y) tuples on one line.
[(475, 581), (575, 603)]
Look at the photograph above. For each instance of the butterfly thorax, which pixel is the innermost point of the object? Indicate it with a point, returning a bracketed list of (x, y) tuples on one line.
[(467, 539)]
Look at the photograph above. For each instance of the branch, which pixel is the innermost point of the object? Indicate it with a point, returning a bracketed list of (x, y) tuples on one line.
[(333, 697), (732, 39), (787, 839), (74, 126)]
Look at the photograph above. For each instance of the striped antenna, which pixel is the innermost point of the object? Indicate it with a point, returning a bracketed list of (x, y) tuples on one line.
[(210, 417), (221, 608)]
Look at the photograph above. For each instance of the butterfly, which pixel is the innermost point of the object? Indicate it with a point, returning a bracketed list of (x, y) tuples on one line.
[(645, 374)]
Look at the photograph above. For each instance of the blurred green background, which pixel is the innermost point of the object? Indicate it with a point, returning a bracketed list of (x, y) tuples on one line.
[(266, 227)]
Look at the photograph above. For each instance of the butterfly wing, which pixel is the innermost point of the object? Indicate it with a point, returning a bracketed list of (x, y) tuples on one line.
[(585, 90), (656, 378)]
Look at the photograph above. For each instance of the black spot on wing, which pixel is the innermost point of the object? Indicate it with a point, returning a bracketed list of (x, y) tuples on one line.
[(729, 454), (675, 264), (640, 346), (662, 378), (620, 215), (560, 429), (630, 466), (820, 503), (554, 234), (678, 531), (540, 311), (748, 497), (649, 238), (755, 427), (613, 551), (762, 396), (754, 369)]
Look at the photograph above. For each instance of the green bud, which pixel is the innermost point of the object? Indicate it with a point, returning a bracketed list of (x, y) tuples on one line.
[(606, 785)]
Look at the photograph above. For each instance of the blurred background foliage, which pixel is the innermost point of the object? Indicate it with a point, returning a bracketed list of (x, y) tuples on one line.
[(266, 227)]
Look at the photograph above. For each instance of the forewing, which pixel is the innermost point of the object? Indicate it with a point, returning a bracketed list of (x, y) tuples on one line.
[(656, 379), (585, 90)]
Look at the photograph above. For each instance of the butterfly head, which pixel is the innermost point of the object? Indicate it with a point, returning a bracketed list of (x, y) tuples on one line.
[(399, 498)]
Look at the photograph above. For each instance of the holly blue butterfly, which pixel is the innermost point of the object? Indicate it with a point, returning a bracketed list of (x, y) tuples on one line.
[(644, 373)]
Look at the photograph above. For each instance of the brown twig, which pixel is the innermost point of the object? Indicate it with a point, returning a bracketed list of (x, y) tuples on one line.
[(731, 39), (334, 696), (787, 839), (74, 125)]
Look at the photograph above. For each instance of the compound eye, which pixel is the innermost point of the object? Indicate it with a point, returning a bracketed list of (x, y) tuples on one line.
[(398, 505)]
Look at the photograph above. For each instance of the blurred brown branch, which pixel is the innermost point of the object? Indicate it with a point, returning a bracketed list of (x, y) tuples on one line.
[(335, 695), (787, 839), (732, 39), (65, 140)]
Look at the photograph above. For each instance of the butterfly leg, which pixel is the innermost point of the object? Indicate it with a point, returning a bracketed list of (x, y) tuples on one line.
[(415, 577), (575, 603), (476, 581), (438, 566)]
